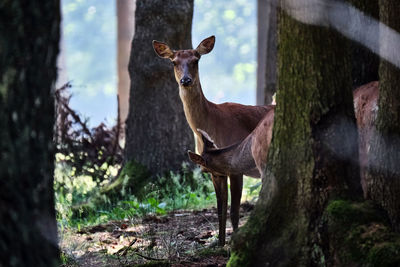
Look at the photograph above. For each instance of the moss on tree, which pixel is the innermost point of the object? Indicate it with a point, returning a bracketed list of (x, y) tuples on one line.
[(132, 179), (360, 235), (311, 157)]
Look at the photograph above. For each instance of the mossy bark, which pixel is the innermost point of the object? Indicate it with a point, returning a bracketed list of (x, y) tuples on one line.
[(131, 180), (29, 39), (157, 134), (383, 178), (313, 154), (359, 235), (364, 62)]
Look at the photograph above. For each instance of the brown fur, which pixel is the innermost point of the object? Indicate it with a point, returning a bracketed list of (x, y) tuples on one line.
[(366, 110), (247, 157), (226, 123), (239, 158)]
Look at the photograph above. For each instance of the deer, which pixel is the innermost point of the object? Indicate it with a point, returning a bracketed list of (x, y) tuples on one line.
[(250, 156), (226, 123)]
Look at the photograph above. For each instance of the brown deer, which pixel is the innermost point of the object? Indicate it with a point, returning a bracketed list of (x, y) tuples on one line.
[(366, 110), (226, 123), (247, 157), (250, 156)]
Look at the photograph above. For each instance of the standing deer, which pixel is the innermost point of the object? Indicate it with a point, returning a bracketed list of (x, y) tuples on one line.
[(226, 123), (250, 156)]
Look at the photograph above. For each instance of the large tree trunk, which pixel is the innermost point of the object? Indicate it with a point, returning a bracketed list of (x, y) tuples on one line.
[(365, 63), (383, 179), (157, 135), (266, 50), (125, 28), (29, 34), (313, 154)]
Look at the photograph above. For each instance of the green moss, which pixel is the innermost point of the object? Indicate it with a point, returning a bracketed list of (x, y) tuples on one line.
[(360, 234), (237, 259), (131, 180), (385, 255), (346, 213), (218, 251)]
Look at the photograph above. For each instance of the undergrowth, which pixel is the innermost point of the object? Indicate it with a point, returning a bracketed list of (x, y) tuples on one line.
[(79, 200)]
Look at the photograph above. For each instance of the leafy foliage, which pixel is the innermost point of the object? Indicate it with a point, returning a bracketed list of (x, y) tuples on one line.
[(87, 151), (227, 74)]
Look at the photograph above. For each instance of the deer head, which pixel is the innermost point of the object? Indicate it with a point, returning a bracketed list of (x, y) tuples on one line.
[(185, 61), (207, 161)]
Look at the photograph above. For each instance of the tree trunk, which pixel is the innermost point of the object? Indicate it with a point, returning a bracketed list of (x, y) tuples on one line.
[(365, 63), (126, 26), (266, 50), (383, 179), (312, 157), (157, 135), (29, 34)]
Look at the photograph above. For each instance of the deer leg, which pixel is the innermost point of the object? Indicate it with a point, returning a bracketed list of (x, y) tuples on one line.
[(221, 191), (236, 195)]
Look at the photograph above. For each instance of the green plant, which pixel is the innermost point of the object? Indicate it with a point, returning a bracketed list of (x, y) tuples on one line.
[(81, 201)]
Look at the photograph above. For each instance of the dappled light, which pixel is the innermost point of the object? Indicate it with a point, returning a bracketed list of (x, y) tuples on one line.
[(200, 133)]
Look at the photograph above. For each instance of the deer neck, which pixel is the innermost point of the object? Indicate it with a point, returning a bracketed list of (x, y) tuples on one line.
[(234, 159), (195, 105)]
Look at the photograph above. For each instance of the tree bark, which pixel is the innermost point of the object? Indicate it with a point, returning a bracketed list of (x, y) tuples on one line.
[(125, 30), (365, 63), (266, 50), (383, 178), (29, 40), (157, 135), (313, 154)]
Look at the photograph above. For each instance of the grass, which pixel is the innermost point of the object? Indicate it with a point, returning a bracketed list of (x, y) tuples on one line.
[(80, 202)]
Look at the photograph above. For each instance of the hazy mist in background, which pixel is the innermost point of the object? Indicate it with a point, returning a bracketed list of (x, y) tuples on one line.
[(228, 73)]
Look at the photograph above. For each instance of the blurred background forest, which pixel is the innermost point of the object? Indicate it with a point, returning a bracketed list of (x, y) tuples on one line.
[(74, 186), (90, 53)]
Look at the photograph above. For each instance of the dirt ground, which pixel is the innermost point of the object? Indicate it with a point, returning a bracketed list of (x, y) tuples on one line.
[(180, 238)]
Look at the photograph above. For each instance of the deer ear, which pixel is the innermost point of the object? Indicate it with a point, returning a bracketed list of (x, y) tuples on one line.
[(196, 158), (206, 45), (162, 50), (208, 142)]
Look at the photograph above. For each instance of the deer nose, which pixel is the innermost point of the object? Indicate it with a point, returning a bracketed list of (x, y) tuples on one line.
[(185, 81)]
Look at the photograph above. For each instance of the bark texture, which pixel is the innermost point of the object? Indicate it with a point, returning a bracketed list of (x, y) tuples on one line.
[(266, 50), (313, 154), (29, 40), (383, 179), (126, 25), (365, 63), (157, 135)]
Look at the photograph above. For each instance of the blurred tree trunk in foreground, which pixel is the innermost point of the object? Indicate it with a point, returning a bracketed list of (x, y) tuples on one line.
[(266, 50), (29, 40), (126, 26), (365, 63), (383, 180), (313, 154), (157, 134)]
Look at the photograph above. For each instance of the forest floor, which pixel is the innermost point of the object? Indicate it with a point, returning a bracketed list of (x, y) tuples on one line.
[(179, 238)]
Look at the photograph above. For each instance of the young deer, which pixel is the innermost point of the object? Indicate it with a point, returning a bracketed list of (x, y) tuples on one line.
[(247, 157), (226, 123), (250, 156)]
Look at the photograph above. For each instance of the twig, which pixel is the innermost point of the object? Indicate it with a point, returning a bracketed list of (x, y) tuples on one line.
[(125, 249), (212, 226)]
